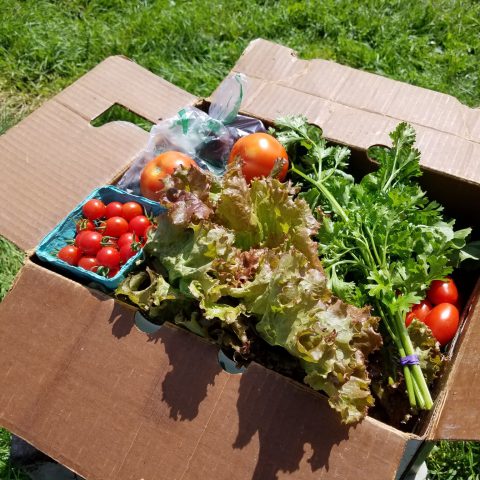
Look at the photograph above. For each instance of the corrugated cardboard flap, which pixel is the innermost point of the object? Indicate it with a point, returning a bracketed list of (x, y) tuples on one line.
[(81, 383), (54, 158), (359, 108), (457, 416)]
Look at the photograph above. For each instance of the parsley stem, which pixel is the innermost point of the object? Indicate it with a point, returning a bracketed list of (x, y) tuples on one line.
[(374, 247), (409, 383), (340, 262), (393, 173), (366, 250), (331, 199), (416, 370)]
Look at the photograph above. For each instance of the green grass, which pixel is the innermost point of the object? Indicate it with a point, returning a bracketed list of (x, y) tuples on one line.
[(10, 262), (11, 259), (46, 45), (455, 460), (7, 472)]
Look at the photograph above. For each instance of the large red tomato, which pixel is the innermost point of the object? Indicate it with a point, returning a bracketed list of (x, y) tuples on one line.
[(151, 179), (443, 320), (259, 152), (442, 291)]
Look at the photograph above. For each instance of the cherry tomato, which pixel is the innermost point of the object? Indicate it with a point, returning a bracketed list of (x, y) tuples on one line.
[(441, 291), (115, 226), (79, 236), (88, 263), (151, 178), (84, 224), (443, 321), (418, 311), (127, 251), (127, 239), (94, 209), (259, 152), (114, 209), (108, 257), (130, 210), (89, 242), (139, 225), (70, 254), (112, 272)]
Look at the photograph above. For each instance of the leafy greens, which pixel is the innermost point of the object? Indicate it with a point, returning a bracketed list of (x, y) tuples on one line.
[(381, 240), (232, 261)]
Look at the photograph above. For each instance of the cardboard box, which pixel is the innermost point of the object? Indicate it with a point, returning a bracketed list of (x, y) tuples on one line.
[(83, 384)]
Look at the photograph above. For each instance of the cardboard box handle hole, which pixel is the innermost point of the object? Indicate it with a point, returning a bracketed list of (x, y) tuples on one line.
[(119, 113)]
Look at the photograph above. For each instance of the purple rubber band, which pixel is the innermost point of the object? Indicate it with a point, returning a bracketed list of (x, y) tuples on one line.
[(410, 360)]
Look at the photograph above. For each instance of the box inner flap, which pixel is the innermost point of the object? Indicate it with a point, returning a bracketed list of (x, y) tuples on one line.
[(82, 384), (457, 417), (54, 158), (359, 108)]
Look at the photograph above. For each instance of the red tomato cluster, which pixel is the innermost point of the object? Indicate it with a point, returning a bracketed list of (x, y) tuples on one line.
[(107, 236), (440, 310)]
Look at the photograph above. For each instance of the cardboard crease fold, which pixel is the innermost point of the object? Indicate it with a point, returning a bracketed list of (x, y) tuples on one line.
[(268, 83)]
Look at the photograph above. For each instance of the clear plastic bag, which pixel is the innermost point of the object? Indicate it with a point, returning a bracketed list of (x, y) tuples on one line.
[(206, 137)]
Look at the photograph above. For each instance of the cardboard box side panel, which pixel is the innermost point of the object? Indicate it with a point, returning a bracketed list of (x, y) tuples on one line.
[(427, 108), (119, 80), (52, 160), (271, 101), (446, 153), (93, 389), (457, 417), (111, 402), (369, 92), (358, 128), (474, 122), (330, 77), (374, 93), (355, 88), (266, 60), (292, 434), (348, 102)]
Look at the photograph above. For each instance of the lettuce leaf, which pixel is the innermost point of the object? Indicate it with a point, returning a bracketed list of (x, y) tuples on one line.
[(238, 262)]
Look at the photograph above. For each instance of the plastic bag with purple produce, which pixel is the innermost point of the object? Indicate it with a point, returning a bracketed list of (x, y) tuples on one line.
[(206, 137)]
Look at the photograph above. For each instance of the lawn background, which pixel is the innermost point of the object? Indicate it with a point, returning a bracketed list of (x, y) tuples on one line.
[(46, 45)]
